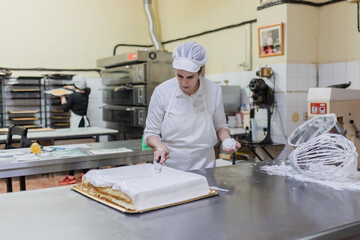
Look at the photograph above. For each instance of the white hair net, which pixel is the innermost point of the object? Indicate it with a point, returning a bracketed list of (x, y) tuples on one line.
[(79, 81), (189, 56)]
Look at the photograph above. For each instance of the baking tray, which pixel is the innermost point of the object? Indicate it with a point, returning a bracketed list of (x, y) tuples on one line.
[(61, 124), (57, 110), (31, 126), (24, 118), (5, 130), (59, 92), (60, 117), (41, 129), (78, 188), (22, 111), (25, 90)]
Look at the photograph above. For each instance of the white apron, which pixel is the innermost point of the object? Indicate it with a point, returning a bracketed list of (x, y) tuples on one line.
[(75, 120), (190, 139)]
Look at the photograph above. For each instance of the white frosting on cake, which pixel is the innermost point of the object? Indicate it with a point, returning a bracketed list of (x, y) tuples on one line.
[(148, 189)]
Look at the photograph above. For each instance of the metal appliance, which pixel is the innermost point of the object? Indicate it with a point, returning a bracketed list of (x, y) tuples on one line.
[(344, 103), (128, 83), (260, 114), (231, 99)]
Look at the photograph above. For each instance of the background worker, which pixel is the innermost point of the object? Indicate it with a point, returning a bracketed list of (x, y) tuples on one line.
[(77, 103)]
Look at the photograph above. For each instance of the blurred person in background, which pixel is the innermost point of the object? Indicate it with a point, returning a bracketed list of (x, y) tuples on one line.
[(77, 103)]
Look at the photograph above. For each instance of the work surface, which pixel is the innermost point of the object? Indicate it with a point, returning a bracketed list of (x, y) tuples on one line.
[(66, 133), (10, 167), (257, 206)]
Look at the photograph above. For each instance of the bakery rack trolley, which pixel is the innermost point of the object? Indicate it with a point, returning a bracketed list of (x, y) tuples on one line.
[(21, 99), (55, 115)]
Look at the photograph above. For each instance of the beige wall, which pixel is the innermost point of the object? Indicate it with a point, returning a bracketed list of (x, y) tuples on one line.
[(73, 34), (67, 33), (226, 49), (339, 39), (302, 33)]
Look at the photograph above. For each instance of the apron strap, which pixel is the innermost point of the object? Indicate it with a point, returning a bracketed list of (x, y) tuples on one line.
[(170, 104), (203, 97)]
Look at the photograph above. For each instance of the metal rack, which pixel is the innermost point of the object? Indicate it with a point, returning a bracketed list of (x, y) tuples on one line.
[(55, 115), (1, 105), (21, 99)]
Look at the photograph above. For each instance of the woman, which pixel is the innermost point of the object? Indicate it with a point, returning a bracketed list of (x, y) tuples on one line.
[(186, 114), (77, 102)]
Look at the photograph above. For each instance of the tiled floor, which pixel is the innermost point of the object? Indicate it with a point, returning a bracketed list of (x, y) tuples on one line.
[(37, 181)]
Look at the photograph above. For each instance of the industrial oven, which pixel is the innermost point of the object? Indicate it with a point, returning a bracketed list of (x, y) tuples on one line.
[(128, 82)]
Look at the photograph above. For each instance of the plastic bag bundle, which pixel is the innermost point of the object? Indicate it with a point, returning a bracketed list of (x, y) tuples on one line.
[(327, 156), (312, 128)]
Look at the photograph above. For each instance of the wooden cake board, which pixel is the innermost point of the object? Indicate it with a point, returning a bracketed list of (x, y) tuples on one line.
[(83, 191)]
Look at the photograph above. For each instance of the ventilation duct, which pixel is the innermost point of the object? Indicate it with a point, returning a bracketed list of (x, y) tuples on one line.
[(152, 26)]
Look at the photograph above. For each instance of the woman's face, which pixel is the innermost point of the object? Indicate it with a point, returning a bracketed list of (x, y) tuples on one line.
[(188, 81)]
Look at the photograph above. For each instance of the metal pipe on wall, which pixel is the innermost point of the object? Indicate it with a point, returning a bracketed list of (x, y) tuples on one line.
[(248, 65), (152, 26)]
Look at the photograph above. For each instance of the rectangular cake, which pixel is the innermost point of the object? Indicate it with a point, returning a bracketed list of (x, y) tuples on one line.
[(139, 187)]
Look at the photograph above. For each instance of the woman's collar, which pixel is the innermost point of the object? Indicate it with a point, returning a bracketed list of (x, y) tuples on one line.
[(199, 91)]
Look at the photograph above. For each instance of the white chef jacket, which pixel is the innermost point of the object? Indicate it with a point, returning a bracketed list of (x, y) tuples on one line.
[(184, 104)]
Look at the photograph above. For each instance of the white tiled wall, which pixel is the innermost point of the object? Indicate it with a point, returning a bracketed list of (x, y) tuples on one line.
[(337, 73)]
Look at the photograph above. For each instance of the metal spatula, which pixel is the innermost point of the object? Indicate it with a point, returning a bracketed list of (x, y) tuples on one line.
[(157, 166)]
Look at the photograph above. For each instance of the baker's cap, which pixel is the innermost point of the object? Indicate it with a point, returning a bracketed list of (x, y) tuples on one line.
[(189, 56), (79, 81)]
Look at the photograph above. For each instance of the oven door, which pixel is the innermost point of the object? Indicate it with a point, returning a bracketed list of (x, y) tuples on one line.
[(126, 116), (125, 95), (124, 75)]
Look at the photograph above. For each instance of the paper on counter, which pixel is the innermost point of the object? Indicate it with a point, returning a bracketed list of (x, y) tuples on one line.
[(14, 152), (27, 157), (109, 151), (68, 153), (66, 147)]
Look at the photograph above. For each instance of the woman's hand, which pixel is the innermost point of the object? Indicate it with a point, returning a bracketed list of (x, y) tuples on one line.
[(161, 152), (68, 87), (63, 99), (230, 145)]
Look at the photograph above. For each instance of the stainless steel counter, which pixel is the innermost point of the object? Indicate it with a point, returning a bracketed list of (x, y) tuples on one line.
[(51, 164), (67, 133), (257, 206)]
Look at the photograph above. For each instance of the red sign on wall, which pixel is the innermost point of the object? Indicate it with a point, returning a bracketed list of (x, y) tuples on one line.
[(132, 56), (318, 108)]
